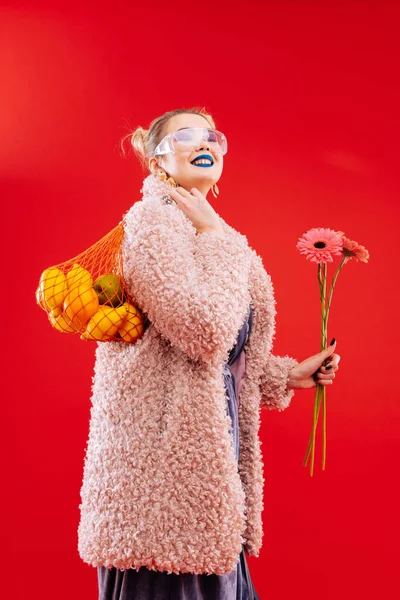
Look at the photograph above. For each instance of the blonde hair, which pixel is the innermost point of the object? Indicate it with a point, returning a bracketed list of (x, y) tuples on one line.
[(145, 141)]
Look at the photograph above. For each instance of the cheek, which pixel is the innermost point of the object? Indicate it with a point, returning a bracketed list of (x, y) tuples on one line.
[(220, 165), (181, 163), (176, 162)]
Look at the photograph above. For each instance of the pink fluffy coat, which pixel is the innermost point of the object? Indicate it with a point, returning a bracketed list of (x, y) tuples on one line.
[(161, 486)]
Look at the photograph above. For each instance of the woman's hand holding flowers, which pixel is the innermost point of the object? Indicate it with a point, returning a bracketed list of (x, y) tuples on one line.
[(312, 370)]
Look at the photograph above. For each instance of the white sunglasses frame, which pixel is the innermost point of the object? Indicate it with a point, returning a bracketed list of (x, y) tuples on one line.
[(166, 141)]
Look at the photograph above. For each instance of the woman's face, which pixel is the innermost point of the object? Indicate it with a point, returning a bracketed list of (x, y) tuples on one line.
[(178, 164)]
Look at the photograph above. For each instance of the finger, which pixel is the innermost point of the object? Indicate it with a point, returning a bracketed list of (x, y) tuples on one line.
[(175, 193), (333, 358), (321, 377), (325, 377), (195, 192), (325, 381), (332, 368), (184, 192), (332, 361), (180, 200)]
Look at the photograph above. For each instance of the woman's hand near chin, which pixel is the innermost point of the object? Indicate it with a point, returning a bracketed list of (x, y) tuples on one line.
[(197, 208)]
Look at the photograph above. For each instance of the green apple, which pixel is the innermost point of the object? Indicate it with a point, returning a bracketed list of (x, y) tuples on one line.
[(109, 290)]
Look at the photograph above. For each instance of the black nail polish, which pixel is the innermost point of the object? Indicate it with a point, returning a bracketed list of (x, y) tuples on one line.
[(330, 367), (332, 342)]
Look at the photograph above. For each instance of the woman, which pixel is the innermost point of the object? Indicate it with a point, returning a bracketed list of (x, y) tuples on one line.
[(173, 477)]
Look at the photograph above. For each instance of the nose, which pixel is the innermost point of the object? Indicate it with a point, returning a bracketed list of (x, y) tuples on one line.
[(203, 145)]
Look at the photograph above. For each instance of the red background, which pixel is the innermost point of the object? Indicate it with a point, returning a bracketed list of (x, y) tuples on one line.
[(308, 96)]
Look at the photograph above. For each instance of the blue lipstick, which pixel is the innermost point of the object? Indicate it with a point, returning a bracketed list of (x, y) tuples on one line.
[(203, 156)]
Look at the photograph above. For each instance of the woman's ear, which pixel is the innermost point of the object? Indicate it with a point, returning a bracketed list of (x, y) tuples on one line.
[(153, 164)]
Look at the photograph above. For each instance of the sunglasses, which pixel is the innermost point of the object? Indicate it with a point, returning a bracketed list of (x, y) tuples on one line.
[(189, 138)]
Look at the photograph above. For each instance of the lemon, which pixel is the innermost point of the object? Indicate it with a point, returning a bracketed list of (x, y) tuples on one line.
[(80, 305), (104, 324), (57, 319), (40, 298), (52, 287), (132, 327), (77, 275), (55, 312)]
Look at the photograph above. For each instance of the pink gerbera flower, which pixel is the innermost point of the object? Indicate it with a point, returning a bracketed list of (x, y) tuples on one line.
[(318, 244), (352, 249)]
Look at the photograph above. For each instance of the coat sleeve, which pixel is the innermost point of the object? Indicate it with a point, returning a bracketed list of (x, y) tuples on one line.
[(191, 287), (275, 369), (273, 384)]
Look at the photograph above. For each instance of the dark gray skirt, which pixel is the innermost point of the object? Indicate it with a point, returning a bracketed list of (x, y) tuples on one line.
[(146, 584)]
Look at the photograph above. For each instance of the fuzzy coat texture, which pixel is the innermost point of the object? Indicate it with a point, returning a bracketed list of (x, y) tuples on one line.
[(161, 485)]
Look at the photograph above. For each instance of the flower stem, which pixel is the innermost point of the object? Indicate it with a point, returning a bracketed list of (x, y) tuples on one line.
[(324, 341), (320, 394), (319, 391), (332, 287), (324, 311), (324, 429), (311, 443), (325, 338)]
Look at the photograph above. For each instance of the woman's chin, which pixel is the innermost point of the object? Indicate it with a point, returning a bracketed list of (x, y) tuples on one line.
[(205, 174)]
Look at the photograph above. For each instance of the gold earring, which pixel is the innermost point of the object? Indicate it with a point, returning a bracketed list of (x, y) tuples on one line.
[(163, 177), (172, 182), (215, 190)]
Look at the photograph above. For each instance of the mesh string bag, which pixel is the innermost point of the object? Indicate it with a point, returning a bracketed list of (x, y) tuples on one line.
[(87, 294)]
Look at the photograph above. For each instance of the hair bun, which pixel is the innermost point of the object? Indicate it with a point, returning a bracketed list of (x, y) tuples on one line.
[(138, 140)]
